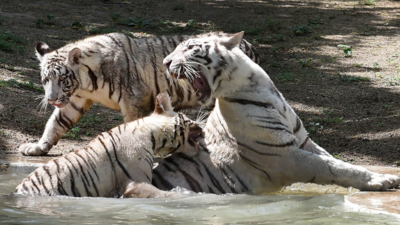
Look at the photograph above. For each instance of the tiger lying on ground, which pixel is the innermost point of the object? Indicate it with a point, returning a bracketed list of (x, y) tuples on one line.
[(255, 141), (113, 69), (119, 162)]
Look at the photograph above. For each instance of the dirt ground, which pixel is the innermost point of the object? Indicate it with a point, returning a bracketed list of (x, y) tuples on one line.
[(346, 96)]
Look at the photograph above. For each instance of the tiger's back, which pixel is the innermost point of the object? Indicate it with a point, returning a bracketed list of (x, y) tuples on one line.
[(118, 162), (119, 72)]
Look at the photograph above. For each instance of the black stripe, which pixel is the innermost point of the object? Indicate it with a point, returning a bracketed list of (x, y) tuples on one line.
[(214, 180), (99, 44), (57, 165), (275, 128), (75, 192), (25, 188), (254, 165), (91, 163), (86, 181), (228, 180), (304, 143), (206, 57), (172, 42), (154, 64), (92, 77), (112, 163), (40, 179), (157, 178), (46, 169), (133, 58), (94, 185), (65, 123), (248, 102), (254, 150), (193, 183), (116, 157), (218, 73), (149, 161), (34, 184), (191, 160), (90, 147), (276, 145), (163, 47), (80, 110), (298, 125), (242, 183), (153, 141), (60, 187)]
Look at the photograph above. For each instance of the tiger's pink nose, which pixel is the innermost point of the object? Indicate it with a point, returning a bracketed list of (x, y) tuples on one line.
[(51, 101), (167, 63)]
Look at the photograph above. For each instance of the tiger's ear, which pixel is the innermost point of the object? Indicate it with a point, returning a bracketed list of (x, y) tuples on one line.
[(74, 56), (42, 49), (232, 41), (163, 104)]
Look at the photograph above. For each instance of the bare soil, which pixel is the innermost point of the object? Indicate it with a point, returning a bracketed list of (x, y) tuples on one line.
[(349, 104)]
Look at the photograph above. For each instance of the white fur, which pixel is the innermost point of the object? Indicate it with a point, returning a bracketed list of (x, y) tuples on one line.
[(264, 159), (101, 163)]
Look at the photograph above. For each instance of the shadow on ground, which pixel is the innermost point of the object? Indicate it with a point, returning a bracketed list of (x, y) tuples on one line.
[(348, 104)]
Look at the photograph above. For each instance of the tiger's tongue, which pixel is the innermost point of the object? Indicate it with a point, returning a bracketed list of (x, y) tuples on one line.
[(198, 84)]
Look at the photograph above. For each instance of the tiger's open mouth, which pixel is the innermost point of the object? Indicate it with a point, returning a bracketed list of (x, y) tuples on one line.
[(199, 83)]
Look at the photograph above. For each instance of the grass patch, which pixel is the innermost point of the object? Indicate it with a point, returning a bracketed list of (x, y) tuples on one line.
[(300, 30), (178, 7), (73, 133), (87, 121), (272, 24), (269, 39), (27, 85), (305, 62), (345, 78), (248, 30), (77, 25), (138, 22), (369, 2), (393, 81), (286, 76), (97, 30), (11, 43)]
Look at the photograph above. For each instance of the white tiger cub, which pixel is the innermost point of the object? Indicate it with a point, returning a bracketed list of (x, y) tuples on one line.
[(113, 69), (119, 162), (255, 140)]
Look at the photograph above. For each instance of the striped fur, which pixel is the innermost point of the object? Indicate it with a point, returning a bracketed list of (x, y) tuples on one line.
[(113, 69), (254, 139), (118, 162)]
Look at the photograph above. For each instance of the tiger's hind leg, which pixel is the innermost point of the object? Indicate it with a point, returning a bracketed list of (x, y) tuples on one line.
[(303, 166), (145, 190), (60, 121)]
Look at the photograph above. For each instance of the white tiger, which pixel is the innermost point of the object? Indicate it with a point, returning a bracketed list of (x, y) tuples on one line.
[(119, 162), (255, 140), (113, 69)]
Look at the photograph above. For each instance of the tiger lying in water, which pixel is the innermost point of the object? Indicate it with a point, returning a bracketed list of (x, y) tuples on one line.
[(113, 69), (119, 162), (254, 139)]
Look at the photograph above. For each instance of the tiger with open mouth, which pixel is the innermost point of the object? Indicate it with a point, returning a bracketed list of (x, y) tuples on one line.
[(254, 141)]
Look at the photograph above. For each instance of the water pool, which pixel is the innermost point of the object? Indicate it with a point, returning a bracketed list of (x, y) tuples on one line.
[(189, 209)]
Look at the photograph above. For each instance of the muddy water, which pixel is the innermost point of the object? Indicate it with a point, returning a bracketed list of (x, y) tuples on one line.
[(293, 208)]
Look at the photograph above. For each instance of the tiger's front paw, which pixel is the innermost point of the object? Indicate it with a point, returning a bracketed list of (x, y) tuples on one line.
[(33, 149), (381, 182)]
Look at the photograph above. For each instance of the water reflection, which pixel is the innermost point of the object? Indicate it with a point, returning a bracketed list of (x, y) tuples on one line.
[(189, 209)]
